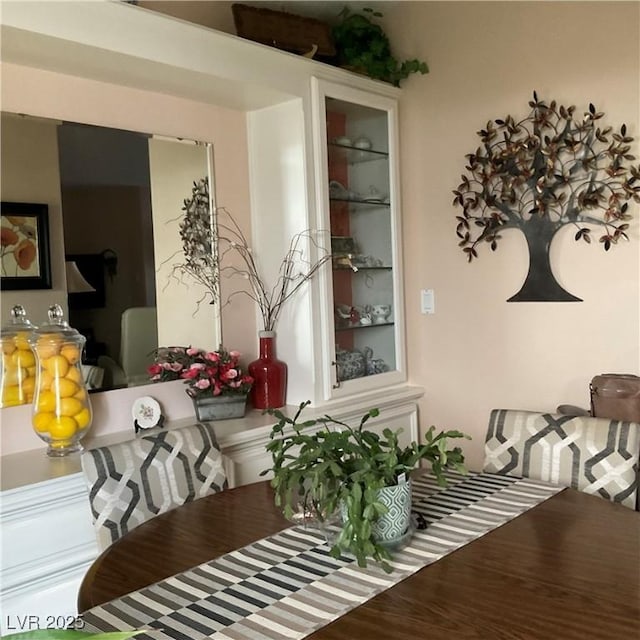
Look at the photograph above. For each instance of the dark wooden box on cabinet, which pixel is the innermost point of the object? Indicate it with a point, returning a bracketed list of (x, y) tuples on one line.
[(283, 30)]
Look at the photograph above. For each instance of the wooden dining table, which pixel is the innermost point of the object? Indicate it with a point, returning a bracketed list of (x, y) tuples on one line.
[(566, 569)]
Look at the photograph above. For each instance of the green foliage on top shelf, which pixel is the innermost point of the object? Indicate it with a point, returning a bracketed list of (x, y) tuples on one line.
[(364, 47)]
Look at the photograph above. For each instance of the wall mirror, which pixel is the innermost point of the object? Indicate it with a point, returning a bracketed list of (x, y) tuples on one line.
[(114, 215)]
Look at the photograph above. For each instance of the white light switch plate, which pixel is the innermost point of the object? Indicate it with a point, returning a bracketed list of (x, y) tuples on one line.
[(427, 301)]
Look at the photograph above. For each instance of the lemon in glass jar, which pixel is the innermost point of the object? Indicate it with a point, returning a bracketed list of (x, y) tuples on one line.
[(61, 407), (17, 375)]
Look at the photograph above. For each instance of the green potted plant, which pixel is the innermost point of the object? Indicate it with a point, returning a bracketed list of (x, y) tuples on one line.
[(363, 46), (323, 467)]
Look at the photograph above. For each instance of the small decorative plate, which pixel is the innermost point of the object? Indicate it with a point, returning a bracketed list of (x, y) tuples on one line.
[(146, 412)]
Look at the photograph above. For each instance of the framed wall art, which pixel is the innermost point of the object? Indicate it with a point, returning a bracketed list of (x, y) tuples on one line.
[(24, 258)]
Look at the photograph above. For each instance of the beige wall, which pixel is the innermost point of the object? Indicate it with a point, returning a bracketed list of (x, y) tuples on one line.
[(216, 14), (478, 351), (30, 173)]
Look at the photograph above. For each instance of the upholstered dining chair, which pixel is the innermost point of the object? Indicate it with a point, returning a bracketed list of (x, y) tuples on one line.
[(593, 455), (133, 481)]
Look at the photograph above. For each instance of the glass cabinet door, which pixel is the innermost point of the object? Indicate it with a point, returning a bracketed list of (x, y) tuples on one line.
[(359, 182)]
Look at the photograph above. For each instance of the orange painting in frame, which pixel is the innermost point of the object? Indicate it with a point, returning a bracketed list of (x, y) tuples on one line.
[(24, 258)]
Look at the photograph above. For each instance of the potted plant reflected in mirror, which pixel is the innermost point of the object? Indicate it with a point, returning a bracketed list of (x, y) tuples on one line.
[(216, 382), (353, 483)]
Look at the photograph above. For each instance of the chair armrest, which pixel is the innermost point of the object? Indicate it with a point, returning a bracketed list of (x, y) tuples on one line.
[(572, 410)]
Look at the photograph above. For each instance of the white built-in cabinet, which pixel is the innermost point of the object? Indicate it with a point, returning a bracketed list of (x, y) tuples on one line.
[(328, 162), (309, 126), (356, 161)]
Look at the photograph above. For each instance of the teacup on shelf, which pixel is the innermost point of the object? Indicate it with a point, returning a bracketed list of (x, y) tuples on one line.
[(343, 141), (380, 313)]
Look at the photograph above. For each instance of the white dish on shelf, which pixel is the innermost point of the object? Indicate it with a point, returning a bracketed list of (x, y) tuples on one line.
[(343, 141), (146, 412), (362, 143)]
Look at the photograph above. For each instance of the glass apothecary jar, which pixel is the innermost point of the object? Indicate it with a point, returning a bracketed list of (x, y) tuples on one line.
[(61, 407), (18, 377)]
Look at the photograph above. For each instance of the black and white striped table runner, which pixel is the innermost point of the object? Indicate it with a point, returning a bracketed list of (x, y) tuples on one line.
[(287, 586)]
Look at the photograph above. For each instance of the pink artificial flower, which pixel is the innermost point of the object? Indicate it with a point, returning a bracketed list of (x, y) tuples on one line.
[(208, 372), (154, 370)]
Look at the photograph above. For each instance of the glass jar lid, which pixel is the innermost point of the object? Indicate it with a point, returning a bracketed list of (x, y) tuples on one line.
[(56, 327), (19, 322)]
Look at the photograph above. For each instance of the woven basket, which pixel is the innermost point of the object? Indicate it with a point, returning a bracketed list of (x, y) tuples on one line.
[(283, 30)]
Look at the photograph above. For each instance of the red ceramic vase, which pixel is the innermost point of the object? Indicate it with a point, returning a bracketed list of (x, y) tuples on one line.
[(269, 375)]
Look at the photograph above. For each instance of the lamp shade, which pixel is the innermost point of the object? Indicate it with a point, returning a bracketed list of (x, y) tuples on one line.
[(75, 280)]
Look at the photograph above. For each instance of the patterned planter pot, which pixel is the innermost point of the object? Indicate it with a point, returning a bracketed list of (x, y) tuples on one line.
[(393, 530), (220, 407)]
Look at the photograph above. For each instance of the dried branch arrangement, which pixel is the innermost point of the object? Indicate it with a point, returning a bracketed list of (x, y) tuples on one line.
[(296, 268), (215, 246)]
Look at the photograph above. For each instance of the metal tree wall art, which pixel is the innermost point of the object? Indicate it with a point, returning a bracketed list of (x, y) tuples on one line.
[(538, 174)]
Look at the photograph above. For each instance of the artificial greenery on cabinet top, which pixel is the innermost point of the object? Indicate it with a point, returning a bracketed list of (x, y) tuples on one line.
[(363, 46)]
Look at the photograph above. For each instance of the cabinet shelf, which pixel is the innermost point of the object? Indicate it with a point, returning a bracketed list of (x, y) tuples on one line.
[(357, 326), (353, 155), (358, 269), (361, 203)]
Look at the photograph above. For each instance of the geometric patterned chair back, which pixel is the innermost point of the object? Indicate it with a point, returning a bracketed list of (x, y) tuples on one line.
[(133, 481), (593, 455)]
